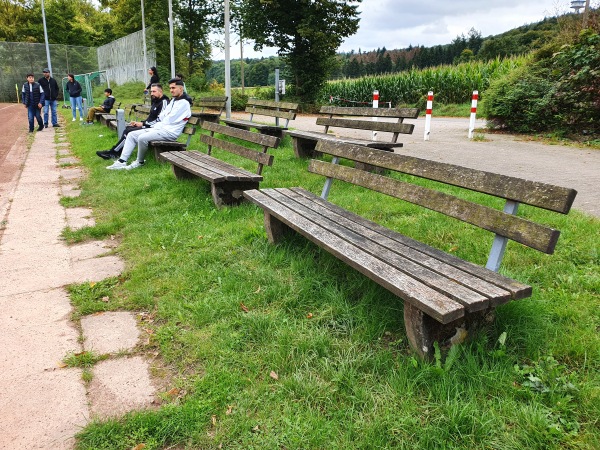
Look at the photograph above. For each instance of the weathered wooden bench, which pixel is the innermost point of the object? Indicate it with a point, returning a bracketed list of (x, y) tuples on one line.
[(267, 108), (444, 295), (355, 118), (211, 108), (159, 147), (227, 181), (105, 118)]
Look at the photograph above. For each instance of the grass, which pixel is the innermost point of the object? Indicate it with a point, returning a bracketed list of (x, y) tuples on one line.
[(286, 347)]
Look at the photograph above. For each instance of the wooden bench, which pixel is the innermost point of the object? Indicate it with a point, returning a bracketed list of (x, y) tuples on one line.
[(211, 108), (159, 147), (444, 296), (267, 108), (305, 141), (227, 181), (105, 118)]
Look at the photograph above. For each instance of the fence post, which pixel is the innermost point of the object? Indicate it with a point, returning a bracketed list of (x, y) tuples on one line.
[(473, 113), (85, 107), (375, 105), (428, 115)]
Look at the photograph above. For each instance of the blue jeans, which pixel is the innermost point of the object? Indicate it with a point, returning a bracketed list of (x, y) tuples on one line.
[(77, 103), (34, 112), (52, 104)]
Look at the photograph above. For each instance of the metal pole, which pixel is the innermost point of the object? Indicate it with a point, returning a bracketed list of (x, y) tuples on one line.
[(145, 71), (227, 63), (277, 92), (46, 38), (171, 38)]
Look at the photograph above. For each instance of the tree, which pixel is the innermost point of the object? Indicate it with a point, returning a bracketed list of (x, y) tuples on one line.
[(306, 32)]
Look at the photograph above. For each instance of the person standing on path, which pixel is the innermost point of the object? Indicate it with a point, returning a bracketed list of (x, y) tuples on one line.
[(74, 90), (33, 99), (50, 87)]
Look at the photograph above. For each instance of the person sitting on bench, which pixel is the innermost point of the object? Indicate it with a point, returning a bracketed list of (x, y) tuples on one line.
[(159, 102), (171, 122), (109, 101)]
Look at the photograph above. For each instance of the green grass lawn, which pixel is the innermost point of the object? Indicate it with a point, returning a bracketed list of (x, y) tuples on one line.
[(285, 347)]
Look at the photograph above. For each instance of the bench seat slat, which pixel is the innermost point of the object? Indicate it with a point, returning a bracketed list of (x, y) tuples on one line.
[(438, 306), (250, 124), (376, 245), (316, 136), (389, 127), (209, 168), (517, 289), (373, 231), (542, 195), (518, 229)]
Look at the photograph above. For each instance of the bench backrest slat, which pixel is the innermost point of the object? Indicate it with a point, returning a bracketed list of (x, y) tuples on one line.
[(272, 104), (399, 113), (528, 233), (261, 157), (271, 113), (541, 195), (534, 235), (390, 127), (217, 103)]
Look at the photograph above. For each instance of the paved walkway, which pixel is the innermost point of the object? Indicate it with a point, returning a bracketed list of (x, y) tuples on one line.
[(42, 403)]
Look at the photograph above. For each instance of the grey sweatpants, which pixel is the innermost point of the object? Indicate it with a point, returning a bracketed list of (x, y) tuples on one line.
[(141, 138)]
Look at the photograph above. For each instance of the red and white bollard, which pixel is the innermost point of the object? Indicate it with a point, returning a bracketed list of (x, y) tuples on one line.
[(375, 105), (428, 115), (473, 113)]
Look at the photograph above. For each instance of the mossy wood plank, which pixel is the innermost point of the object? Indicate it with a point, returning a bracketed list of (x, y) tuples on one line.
[(399, 113), (240, 150), (260, 139), (446, 267), (390, 127), (272, 104), (229, 171), (438, 306), (249, 124), (271, 113), (206, 172), (369, 242), (517, 289), (520, 230), (316, 136), (542, 195)]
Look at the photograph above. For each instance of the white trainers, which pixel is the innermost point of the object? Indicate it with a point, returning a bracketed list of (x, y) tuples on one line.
[(73, 119), (117, 165), (81, 119), (134, 165)]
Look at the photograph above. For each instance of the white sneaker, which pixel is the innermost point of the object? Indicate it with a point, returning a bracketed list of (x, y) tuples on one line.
[(81, 118), (117, 165), (134, 165), (73, 119)]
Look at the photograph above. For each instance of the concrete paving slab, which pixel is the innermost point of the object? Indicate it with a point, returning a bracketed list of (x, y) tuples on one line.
[(79, 218), (119, 386), (68, 160), (64, 151), (70, 191), (110, 332), (71, 173)]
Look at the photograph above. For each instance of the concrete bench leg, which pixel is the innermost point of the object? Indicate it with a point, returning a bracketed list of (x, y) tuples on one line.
[(231, 192), (422, 330), (304, 148)]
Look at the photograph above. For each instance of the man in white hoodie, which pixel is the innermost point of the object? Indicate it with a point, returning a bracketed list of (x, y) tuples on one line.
[(170, 124)]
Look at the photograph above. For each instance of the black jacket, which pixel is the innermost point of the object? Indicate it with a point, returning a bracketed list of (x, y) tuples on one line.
[(155, 109), (50, 87), (153, 79), (32, 96), (74, 88), (108, 103)]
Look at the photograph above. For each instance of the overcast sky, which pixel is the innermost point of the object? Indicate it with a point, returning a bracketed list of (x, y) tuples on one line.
[(395, 24)]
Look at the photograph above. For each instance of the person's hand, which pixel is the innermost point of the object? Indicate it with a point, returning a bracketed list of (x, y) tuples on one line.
[(39, 106)]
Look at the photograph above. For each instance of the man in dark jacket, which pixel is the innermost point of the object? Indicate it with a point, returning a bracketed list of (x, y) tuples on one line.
[(32, 96), (50, 87), (105, 107), (159, 101)]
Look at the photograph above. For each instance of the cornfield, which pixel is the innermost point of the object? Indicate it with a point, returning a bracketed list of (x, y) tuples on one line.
[(450, 84)]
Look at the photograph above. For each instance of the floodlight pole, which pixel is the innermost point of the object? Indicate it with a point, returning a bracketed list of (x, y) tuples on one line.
[(145, 71), (171, 38), (585, 13), (227, 63), (46, 38)]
